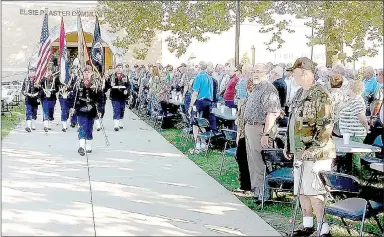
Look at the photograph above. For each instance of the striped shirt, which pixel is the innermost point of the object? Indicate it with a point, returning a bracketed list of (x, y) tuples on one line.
[(349, 122)]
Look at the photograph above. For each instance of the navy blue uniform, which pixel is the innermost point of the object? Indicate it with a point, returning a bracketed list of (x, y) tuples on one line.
[(119, 86), (86, 101), (32, 98), (50, 86)]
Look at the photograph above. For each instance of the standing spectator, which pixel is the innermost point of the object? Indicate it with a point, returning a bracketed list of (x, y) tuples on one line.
[(370, 85), (212, 117), (276, 77), (310, 142), (229, 93), (374, 120), (292, 88), (338, 99), (241, 86), (260, 113), (352, 116), (202, 97), (279, 83), (241, 151), (225, 78), (219, 74)]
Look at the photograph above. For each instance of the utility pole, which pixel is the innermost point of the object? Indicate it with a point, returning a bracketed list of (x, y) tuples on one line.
[(237, 46), (253, 55)]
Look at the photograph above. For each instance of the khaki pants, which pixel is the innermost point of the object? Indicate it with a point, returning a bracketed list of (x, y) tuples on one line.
[(255, 162)]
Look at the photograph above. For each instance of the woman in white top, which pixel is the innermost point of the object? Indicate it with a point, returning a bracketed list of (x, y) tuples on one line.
[(352, 117)]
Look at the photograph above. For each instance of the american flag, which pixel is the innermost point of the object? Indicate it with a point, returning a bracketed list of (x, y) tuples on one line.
[(45, 52)]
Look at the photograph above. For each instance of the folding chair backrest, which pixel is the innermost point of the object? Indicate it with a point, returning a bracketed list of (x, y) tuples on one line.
[(338, 182), (275, 158), (202, 123), (229, 135)]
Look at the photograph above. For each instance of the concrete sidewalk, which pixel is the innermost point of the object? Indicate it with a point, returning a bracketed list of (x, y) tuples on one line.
[(141, 185)]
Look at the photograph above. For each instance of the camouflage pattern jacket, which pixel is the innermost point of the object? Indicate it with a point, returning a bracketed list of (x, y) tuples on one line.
[(311, 123)]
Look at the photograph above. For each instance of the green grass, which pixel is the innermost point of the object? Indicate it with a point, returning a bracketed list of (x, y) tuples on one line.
[(275, 214), (10, 121)]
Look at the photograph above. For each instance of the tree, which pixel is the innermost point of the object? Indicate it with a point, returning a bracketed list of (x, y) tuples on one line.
[(336, 24), (185, 21), (245, 59), (231, 61)]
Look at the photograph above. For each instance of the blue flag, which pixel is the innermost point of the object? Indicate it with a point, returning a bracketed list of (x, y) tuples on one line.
[(97, 53)]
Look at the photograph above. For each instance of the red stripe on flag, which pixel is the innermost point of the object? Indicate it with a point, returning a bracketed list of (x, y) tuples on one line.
[(45, 47), (46, 58), (43, 61)]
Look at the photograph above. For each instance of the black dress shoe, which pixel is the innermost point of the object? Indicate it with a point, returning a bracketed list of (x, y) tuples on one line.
[(116, 129), (49, 128), (45, 129), (121, 127), (27, 129), (89, 151), (64, 130), (73, 125), (98, 129), (306, 231), (33, 129), (81, 151)]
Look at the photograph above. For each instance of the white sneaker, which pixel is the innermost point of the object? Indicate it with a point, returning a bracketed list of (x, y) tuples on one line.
[(46, 125), (64, 126), (116, 124), (81, 149), (98, 125), (88, 147), (33, 125), (28, 128)]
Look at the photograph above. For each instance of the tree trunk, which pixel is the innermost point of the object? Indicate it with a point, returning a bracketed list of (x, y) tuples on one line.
[(335, 45)]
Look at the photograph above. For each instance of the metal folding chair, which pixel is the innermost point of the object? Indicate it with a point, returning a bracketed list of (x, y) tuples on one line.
[(203, 123), (230, 138), (278, 172), (353, 207)]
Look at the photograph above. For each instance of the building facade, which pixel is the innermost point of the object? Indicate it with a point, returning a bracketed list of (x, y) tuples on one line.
[(21, 29)]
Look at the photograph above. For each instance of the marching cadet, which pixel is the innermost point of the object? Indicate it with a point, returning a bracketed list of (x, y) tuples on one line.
[(71, 96), (50, 85), (120, 86), (86, 100), (103, 100), (31, 91), (66, 99)]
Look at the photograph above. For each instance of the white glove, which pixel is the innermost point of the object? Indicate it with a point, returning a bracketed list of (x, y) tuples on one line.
[(125, 92)]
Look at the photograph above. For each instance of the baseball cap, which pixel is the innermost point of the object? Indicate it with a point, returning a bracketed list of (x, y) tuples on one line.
[(303, 63)]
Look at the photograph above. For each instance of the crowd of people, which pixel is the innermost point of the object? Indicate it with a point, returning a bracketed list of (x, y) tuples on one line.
[(314, 103)]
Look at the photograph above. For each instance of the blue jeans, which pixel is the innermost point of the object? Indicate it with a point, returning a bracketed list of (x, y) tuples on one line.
[(230, 104), (204, 110), (187, 101), (48, 109), (118, 109), (65, 106), (85, 127), (31, 112)]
